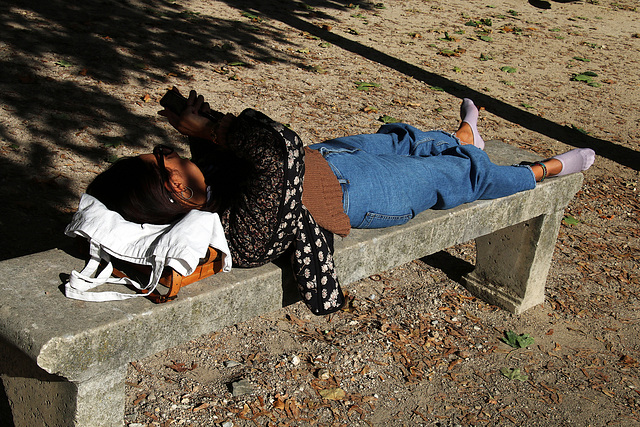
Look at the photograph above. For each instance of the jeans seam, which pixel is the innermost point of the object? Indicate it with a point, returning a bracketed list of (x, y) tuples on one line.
[(344, 184), (438, 142), (370, 216)]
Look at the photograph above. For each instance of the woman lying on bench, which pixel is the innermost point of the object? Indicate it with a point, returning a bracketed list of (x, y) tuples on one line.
[(272, 193)]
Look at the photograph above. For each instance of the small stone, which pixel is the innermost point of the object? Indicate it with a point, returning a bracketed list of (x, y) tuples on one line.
[(241, 387), (463, 354), (295, 360), (227, 424), (231, 363), (323, 374)]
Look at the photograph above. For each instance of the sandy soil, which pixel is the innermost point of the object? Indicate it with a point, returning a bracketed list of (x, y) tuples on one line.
[(79, 88)]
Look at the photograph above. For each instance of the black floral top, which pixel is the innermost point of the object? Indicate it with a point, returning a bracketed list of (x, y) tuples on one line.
[(269, 217)]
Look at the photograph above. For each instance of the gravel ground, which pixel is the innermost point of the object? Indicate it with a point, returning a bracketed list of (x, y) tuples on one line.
[(80, 86)]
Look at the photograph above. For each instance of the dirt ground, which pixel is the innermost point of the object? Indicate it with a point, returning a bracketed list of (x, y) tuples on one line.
[(80, 87)]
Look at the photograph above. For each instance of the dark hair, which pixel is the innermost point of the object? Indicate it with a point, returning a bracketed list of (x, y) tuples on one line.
[(134, 188), (227, 174)]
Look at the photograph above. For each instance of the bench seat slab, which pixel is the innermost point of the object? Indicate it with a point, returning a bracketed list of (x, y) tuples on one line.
[(64, 361)]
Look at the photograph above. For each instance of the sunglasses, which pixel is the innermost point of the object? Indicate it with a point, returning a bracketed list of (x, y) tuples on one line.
[(160, 152)]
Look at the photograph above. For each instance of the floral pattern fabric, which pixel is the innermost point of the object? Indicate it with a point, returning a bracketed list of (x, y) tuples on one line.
[(271, 217)]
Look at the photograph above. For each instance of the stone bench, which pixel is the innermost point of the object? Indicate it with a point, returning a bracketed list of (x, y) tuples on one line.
[(64, 361)]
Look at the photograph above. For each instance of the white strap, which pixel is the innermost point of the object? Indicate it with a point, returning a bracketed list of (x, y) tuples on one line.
[(80, 283)]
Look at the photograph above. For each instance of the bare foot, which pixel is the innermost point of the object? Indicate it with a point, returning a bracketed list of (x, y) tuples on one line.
[(576, 160), (465, 134), (469, 116), (469, 123)]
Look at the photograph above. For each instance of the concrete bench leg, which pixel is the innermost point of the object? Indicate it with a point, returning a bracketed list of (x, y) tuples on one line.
[(100, 400), (33, 397), (512, 263)]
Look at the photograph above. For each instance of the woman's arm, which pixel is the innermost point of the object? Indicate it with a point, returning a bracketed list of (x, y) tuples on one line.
[(191, 123)]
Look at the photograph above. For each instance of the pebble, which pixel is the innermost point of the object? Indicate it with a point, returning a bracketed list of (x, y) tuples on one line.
[(324, 374), (231, 363), (174, 407), (241, 387)]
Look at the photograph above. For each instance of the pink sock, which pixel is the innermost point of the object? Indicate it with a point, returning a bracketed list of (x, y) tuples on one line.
[(469, 115), (576, 160)]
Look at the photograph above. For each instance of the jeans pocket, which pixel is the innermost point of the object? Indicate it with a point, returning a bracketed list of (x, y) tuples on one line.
[(376, 220)]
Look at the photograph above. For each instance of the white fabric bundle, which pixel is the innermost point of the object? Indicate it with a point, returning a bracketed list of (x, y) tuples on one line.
[(180, 246)]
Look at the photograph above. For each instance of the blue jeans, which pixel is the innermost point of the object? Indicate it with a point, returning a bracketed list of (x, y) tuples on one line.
[(389, 177)]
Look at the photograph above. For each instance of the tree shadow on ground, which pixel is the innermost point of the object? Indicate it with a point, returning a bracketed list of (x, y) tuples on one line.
[(96, 45), (62, 64)]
